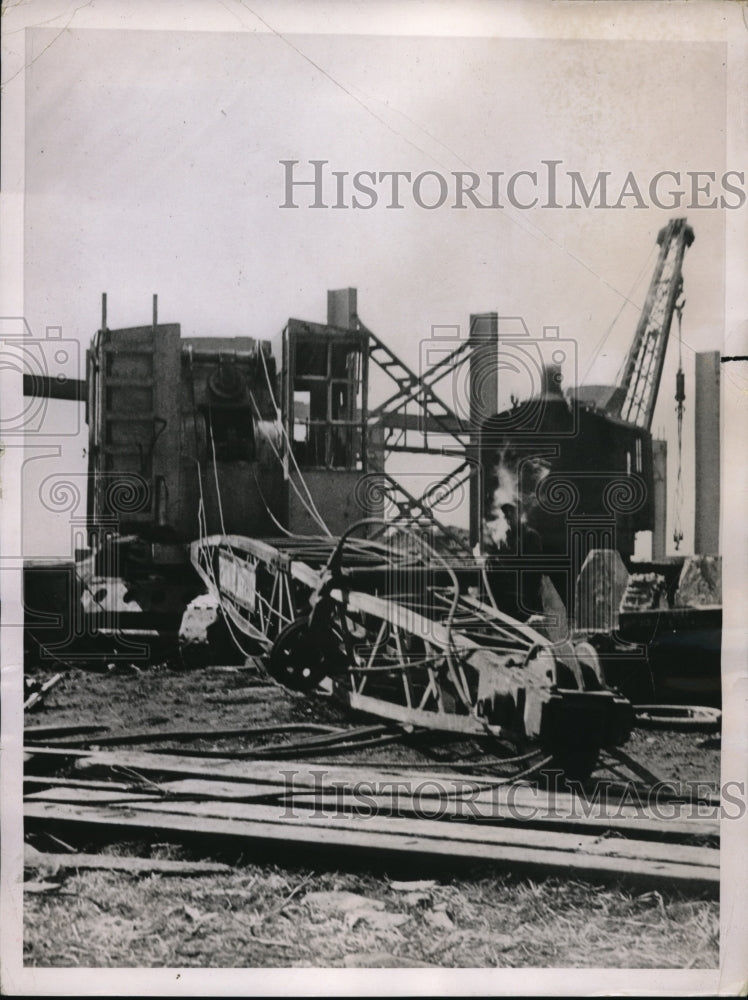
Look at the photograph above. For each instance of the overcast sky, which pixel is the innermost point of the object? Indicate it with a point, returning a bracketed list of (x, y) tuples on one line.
[(152, 165)]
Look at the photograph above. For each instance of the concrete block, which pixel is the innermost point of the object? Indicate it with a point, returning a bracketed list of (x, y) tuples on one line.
[(599, 590), (700, 583)]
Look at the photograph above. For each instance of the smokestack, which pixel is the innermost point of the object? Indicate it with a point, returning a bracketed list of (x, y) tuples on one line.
[(484, 403), (706, 432), (341, 308)]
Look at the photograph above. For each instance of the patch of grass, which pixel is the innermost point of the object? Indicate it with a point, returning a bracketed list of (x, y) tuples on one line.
[(258, 917)]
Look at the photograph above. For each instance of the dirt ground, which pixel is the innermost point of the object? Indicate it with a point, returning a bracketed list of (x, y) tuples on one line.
[(284, 914), (129, 699)]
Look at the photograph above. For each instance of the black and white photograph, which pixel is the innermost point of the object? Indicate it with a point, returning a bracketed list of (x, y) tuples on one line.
[(372, 556)]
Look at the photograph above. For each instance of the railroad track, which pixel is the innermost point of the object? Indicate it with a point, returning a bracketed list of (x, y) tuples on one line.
[(377, 813)]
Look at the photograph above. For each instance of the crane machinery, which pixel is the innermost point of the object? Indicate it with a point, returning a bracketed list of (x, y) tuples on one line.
[(636, 394), (272, 477), (584, 481), (223, 449), (403, 632), (579, 464)]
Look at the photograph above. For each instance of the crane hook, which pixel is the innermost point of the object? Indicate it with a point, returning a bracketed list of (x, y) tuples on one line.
[(680, 398)]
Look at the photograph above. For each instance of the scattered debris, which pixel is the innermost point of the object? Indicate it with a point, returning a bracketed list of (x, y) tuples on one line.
[(123, 668), (644, 592), (250, 692), (39, 887), (52, 864), (203, 635), (38, 695), (379, 920), (439, 920), (698, 717), (416, 898), (420, 886), (60, 843), (700, 583), (343, 901), (195, 915)]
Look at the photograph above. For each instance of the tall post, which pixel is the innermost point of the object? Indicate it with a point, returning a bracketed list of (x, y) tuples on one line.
[(659, 533), (484, 403), (707, 443)]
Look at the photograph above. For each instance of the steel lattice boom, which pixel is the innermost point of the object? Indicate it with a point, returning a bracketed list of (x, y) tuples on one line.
[(637, 395)]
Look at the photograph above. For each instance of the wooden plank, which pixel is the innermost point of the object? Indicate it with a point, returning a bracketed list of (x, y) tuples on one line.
[(468, 725), (304, 774), (109, 862), (193, 787), (37, 696), (322, 774), (687, 876), (31, 780), (73, 729), (481, 809), (286, 815), (230, 769), (320, 777), (185, 735), (89, 795), (196, 788), (293, 777), (53, 752), (226, 768)]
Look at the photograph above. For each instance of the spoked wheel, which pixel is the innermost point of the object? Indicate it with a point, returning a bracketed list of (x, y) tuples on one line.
[(303, 655)]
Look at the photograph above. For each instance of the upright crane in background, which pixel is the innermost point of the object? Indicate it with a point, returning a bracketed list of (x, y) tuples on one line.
[(636, 394)]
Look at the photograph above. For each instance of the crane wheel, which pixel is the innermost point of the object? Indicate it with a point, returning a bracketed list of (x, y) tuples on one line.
[(303, 655)]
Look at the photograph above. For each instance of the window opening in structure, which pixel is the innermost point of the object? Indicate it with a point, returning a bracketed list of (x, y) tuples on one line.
[(326, 419)]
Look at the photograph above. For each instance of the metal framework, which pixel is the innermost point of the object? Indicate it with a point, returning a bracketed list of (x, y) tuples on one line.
[(400, 632), (431, 416), (640, 382)]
